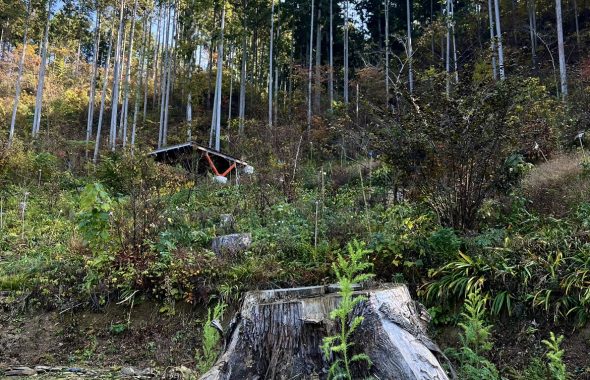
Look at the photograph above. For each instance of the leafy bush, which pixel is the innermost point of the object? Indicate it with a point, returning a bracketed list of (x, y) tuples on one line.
[(96, 206), (444, 244), (535, 370), (16, 165), (401, 242), (454, 148), (121, 173), (95, 209)]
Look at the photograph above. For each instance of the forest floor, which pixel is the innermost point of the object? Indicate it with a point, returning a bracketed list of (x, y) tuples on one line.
[(141, 341), (118, 341), (515, 342)]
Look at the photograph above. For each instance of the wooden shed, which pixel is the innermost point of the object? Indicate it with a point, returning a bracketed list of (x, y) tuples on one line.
[(200, 159)]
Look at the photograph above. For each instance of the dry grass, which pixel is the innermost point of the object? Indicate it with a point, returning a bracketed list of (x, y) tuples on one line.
[(554, 187)]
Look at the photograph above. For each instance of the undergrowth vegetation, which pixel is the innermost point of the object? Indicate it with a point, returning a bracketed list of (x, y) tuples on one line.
[(130, 225), (466, 181)]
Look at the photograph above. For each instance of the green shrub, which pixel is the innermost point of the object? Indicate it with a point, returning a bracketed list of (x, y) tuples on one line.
[(45, 166), (96, 206), (17, 165), (444, 244), (94, 217), (401, 242), (476, 334), (122, 173)]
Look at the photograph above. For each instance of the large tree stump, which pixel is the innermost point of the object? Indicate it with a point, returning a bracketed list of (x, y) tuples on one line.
[(277, 335)]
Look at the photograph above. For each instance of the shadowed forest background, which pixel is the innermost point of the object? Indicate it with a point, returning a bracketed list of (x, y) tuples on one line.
[(448, 137)]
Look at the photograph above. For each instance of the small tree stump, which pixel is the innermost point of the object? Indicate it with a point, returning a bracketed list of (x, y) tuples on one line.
[(277, 335), (232, 244)]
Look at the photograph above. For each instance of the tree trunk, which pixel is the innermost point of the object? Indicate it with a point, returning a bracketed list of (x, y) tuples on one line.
[(41, 80), (21, 63), (90, 119), (318, 62), (387, 54), (499, 40), (532, 32), (142, 77), (310, 66), (346, 53), (216, 117), (577, 24), (410, 53), (146, 82), (77, 66), (163, 73), (270, 63), (562, 66), (122, 70), (331, 74), (2, 41), (433, 34), (276, 81), (448, 49), (210, 65), (155, 59), (261, 80), (242, 106), (102, 100), (116, 78), (253, 62), (454, 43), (492, 41), (276, 96), (231, 85), (127, 76), (169, 78), (278, 333), (290, 89), (189, 100)]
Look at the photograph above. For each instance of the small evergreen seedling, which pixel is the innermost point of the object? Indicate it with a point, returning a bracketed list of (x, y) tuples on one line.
[(475, 340), (348, 270), (555, 356), (476, 334), (211, 337)]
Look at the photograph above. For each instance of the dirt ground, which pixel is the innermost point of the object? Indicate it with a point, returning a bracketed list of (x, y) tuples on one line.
[(119, 336), (517, 341)]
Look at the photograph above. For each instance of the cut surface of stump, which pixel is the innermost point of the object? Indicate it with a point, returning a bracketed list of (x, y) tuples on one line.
[(277, 334)]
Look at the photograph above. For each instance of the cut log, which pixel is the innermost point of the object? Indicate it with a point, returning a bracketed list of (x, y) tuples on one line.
[(277, 335)]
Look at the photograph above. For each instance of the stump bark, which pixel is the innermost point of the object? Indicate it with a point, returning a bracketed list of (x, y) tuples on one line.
[(277, 335)]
